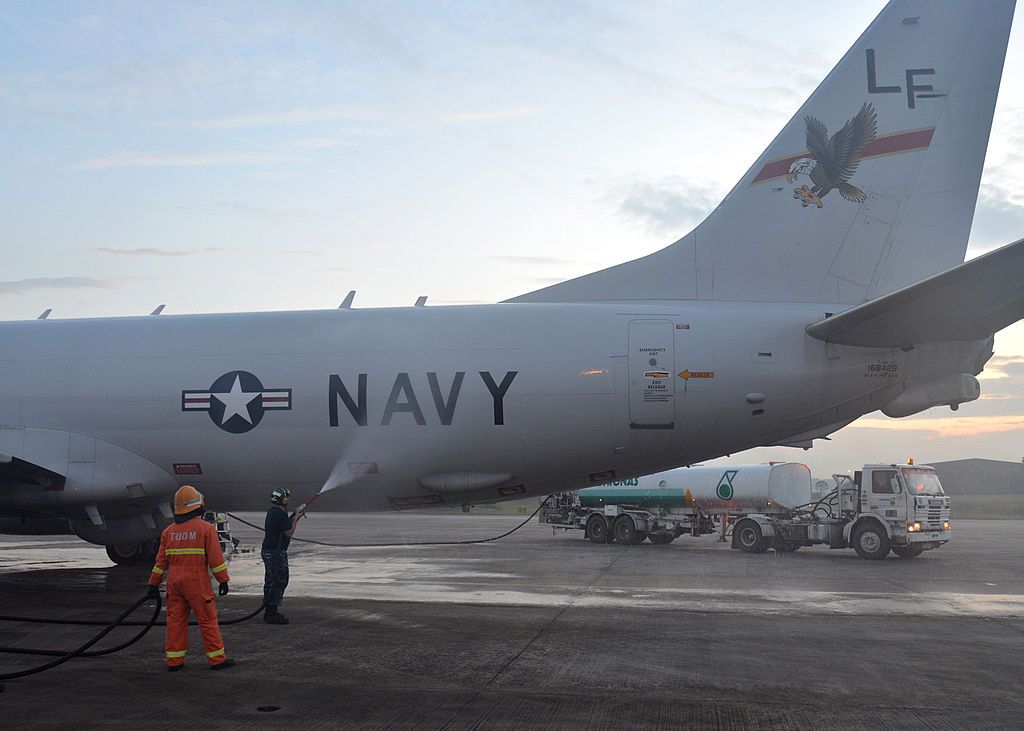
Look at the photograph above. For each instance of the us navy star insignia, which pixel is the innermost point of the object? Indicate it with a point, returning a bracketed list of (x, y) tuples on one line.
[(237, 401)]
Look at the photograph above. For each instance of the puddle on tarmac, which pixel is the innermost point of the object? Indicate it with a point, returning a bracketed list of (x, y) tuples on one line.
[(404, 576), (442, 580)]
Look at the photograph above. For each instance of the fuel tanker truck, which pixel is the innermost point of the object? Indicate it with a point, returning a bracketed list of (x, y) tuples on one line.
[(881, 508)]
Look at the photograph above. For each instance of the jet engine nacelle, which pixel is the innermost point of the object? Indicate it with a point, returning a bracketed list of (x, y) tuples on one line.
[(951, 391)]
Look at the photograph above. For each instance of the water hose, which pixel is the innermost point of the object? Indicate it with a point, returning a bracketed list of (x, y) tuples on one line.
[(82, 651)]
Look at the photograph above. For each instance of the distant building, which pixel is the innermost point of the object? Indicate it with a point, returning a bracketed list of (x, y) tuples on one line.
[(981, 477)]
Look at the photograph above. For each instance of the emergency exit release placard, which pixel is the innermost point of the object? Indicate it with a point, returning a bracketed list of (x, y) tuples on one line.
[(651, 374)]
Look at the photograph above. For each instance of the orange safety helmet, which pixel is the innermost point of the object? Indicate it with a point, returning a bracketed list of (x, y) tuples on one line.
[(187, 499)]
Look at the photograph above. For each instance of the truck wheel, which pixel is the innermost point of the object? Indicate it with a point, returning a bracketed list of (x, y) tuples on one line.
[(871, 542), (749, 538), (625, 530), (660, 539), (597, 530), (911, 551)]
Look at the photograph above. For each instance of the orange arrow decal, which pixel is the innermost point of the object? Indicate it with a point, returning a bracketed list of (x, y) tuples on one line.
[(688, 374)]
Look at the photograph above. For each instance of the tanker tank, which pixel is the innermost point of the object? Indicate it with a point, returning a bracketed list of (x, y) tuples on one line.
[(738, 489)]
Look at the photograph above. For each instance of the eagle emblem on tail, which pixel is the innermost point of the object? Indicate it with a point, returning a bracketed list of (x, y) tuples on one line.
[(835, 159)]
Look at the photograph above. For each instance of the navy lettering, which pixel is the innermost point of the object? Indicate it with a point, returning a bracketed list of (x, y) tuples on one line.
[(410, 405), (498, 393), (336, 389), (445, 410)]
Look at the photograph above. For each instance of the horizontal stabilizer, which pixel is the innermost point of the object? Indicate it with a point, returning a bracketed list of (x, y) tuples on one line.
[(968, 302)]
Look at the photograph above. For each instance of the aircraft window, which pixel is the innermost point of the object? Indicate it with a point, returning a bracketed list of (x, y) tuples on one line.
[(883, 482)]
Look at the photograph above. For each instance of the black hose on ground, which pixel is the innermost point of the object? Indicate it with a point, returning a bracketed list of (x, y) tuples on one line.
[(102, 623), (120, 621), (395, 545), (146, 627), (82, 651)]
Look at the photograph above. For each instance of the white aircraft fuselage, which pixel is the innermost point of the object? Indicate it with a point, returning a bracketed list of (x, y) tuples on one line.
[(829, 283), (457, 404)]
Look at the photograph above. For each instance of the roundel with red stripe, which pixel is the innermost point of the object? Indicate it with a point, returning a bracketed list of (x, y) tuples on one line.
[(237, 401)]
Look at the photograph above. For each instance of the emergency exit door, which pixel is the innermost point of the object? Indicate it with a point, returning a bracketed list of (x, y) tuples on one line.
[(652, 396)]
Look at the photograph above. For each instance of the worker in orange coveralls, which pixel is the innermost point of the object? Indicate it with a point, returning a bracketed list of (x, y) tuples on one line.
[(187, 547)]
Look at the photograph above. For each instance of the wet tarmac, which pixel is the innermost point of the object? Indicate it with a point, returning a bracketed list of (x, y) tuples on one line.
[(544, 631)]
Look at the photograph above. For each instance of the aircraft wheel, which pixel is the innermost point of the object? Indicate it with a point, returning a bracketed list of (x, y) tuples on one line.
[(911, 551), (132, 553), (749, 538), (597, 530), (625, 530), (871, 542)]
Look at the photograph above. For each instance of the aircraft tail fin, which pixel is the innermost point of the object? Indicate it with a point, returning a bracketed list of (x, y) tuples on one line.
[(869, 187), (970, 302)]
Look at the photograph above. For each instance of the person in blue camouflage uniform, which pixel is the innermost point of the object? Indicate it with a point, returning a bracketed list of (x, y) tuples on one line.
[(279, 527)]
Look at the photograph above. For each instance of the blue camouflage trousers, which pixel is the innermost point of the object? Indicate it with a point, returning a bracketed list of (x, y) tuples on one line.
[(275, 577)]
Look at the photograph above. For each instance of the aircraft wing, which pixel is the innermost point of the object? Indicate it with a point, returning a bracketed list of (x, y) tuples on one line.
[(968, 302), (105, 493), (15, 471)]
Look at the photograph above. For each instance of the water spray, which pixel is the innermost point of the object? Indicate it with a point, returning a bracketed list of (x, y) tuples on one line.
[(334, 480)]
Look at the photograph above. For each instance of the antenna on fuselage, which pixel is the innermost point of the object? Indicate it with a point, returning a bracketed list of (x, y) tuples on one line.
[(346, 304), (45, 313), (421, 301), (157, 311)]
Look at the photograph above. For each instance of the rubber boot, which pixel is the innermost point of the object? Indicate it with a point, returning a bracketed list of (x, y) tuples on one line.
[(229, 663), (272, 616)]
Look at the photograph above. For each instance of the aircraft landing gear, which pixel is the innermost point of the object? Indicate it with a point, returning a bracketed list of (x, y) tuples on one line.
[(132, 553)]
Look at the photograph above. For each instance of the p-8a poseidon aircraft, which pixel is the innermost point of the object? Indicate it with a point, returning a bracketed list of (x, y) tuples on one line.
[(830, 283)]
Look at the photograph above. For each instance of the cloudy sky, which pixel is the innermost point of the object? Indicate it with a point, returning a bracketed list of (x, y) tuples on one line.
[(262, 156)]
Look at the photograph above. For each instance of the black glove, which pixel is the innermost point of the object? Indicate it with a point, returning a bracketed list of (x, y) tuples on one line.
[(153, 593), (223, 588)]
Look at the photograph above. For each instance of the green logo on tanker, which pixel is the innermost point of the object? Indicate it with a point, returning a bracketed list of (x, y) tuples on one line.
[(632, 482), (724, 489)]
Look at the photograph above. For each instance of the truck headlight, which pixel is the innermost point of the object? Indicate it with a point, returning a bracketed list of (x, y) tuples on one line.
[(913, 527), (946, 526)]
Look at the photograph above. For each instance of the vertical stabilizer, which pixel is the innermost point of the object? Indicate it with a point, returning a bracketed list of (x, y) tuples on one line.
[(870, 186)]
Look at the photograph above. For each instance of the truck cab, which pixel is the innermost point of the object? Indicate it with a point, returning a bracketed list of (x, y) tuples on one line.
[(906, 501)]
